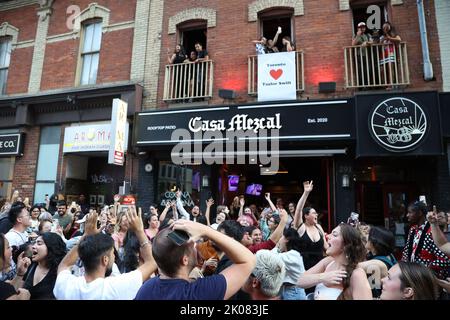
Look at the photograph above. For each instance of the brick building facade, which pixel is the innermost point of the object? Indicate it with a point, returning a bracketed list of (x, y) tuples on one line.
[(45, 93)]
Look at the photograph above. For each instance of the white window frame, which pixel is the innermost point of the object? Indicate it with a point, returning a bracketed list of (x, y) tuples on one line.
[(5, 44), (94, 51)]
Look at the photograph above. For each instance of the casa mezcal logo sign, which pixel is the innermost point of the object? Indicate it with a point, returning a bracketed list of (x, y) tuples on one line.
[(398, 124)]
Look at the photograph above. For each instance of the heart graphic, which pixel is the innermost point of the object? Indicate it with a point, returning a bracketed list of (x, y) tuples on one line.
[(276, 73)]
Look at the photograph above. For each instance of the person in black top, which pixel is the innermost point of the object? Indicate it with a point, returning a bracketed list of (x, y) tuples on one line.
[(202, 55), (48, 251), (179, 72)]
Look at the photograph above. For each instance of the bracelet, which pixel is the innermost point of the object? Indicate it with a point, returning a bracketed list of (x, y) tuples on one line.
[(143, 244)]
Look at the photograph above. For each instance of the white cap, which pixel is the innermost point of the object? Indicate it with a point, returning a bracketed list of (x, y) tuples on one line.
[(361, 24)]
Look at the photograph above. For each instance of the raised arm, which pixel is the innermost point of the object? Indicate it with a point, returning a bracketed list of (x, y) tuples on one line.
[(90, 229), (164, 212), (307, 188), (184, 214), (278, 232), (272, 206), (22, 266), (137, 226), (275, 39), (241, 206), (209, 204), (317, 274), (243, 260), (438, 236)]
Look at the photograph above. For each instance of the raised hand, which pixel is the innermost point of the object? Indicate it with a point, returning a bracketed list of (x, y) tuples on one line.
[(267, 196), (194, 229), (332, 278), (91, 224), (242, 202), (209, 202), (283, 215), (23, 263), (308, 186), (135, 220), (432, 216), (168, 204), (211, 262), (178, 194)]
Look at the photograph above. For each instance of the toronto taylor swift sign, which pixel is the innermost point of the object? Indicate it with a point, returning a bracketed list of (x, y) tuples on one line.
[(398, 124)]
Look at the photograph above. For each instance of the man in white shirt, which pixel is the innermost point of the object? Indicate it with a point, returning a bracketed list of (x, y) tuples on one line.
[(96, 251), (20, 217)]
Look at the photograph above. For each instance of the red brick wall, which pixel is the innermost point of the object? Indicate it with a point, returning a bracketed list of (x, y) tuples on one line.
[(60, 65), (19, 70), (24, 18), (121, 10), (24, 176), (321, 33), (115, 60)]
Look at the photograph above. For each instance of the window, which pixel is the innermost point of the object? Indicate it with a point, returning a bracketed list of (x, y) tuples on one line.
[(6, 176), (274, 18), (5, 56), (192, 32), (373, 13), (47, 167), (90, 52)]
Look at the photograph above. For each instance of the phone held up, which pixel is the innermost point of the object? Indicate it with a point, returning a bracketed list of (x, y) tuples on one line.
[(179, 237)]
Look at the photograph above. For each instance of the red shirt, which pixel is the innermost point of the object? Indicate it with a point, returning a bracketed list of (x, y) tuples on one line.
[(265, 245)]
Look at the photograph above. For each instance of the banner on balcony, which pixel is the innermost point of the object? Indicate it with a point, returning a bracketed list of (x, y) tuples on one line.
[(277, 76)]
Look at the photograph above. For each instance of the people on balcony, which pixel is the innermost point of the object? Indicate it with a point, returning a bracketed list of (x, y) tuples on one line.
[(363, 40), (390, 41), (263, 45), (178, 56), (288, 45), (202, 55)]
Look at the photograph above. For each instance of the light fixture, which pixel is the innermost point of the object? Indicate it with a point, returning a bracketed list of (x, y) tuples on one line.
[(227, 94), (327, 87), (205, 181), (345, 181)]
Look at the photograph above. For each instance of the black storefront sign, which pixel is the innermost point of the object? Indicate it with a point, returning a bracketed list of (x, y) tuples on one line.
[(398, 124), (444, 100), (298, 121), (11, 144)]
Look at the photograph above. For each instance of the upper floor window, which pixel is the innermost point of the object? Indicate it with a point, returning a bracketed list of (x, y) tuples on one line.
[(373, 13), (5, 57), (273, 20), (90, 52)]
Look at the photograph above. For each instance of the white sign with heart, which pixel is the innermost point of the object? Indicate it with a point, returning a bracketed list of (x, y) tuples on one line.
[(277, 76)]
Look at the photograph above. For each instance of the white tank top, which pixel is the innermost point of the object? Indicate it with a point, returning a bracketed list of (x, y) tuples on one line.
[(322, 292)]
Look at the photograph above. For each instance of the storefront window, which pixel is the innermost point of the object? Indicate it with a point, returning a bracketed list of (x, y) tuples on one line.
[(47, 167), (172, 177), (6, 174)]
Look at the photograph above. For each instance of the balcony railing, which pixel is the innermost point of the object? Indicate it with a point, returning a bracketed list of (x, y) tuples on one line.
[(376, 65), (253, 73), (186, 81)]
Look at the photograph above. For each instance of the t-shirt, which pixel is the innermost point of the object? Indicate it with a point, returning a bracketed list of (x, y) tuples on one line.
[(209, 288), (6, 290), (265, 245), (16, 238), (64, 220), (122, 287)]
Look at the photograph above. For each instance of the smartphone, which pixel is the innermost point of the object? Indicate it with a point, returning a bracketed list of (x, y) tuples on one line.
[(178, 236), (423, 199)]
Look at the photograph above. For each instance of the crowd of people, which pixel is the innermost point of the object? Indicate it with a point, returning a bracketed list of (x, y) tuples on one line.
[(73, 252)]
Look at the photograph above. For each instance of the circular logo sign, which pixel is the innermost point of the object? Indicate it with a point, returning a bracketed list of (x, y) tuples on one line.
[(398, 124)]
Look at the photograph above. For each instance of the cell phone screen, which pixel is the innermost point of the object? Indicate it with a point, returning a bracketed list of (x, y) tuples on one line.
[(179, 237)]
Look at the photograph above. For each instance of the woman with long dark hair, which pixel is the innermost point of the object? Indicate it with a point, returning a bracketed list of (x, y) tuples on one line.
[(48, 251), (338, 275), (289, 248)]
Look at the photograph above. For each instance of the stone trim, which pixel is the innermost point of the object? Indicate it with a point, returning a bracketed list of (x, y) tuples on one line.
[(119, 26), (344, 5), (140, 40), (396, 2), (24, 44), (93, 11), (193, 14), (17, 4), (259, 5), (9, 30)]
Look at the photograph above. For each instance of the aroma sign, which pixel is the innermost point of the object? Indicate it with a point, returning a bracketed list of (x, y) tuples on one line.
[(398, 124)]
